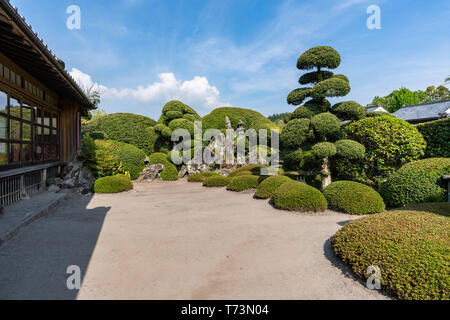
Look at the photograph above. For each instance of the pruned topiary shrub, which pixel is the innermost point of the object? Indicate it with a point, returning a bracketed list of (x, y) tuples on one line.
[(417, 182), (269, 185), (251, 169), (411, 248), (216, 181), (437, 136), (353, 197), (390, 143), (113, 184), (110, 154), (243, 183), (124, 127), (297, 196), (200, 177)]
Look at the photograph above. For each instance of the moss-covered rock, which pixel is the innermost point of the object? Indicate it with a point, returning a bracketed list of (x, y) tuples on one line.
[(170, 172)]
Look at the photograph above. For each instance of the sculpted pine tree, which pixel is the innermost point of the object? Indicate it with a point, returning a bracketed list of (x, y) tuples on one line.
[(309, 138)]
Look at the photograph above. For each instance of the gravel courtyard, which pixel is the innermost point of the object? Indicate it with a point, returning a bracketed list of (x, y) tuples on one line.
[(178, 241)]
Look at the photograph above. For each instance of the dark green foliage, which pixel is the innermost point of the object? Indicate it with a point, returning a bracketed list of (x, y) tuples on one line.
[(390, 143), (278, 116), (350, 149), (200, 177), (110, 154), (411, 248), (174, 115), (437, 136), (297, 96), (326, 125), (251, 119), (269, 185), (324, 150), (319, 57), (301, 112), (314, 77), (166, 133), (124, 127), (182, 124), (88, 154), (113, 184), (297, 196), (295, 133), (216, 181), (172, 106), (353, 197), (97, 135), (292, 159), (372, 114), (159, 127), (157, 158), (318, 106), (242, 183), (417, 182), (333, 87), (349, 110)]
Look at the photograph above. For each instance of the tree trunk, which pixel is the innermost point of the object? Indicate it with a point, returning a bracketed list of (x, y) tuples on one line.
[(325, 173)]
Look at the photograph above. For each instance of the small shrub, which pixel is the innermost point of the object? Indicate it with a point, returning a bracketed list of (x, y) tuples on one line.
[(269, 185), (354, 198), (253, 169), (216, 181), (157, 158), (324, 149), (349, 110), (170, 172), (200, 177), (326, 125), (417, 182), (437, 136), (350, 149), (243, 183), (411, 248), (113, 184), (297, 196)]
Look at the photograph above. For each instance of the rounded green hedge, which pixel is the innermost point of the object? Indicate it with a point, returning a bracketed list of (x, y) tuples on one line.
[(110, 152), (297, 196), (295, 133), (320, 56), (125, 127), (251, 119), (390, 143), (269, 185), (354, 198), (200, 177), (411, 248), (324, 150), (326, 125), (417, 182), (350, 149), (251, 169), (216, 181), (349, 110), (113, 184), (242, 183)]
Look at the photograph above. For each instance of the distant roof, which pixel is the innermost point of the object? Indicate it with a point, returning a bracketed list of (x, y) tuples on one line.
[(376, 108), (20, 43), (424, 112)]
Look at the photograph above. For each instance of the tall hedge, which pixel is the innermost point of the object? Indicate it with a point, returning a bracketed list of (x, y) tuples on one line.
[(390, 143), (437, 136), (125, 127)]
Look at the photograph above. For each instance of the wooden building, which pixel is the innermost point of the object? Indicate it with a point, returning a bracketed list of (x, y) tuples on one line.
[(40, 109)]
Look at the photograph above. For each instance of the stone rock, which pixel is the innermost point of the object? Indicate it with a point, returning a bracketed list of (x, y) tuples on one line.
[(151, 173), (224, 172), (183, 172), (85, 191), (69, 183), (197, 165), (53, 188), (75, 176)]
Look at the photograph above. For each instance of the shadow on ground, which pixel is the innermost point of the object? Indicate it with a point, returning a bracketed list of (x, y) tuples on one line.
[(34, 264)]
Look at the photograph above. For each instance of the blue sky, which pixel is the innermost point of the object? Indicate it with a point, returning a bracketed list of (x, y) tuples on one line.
[(242, 53)]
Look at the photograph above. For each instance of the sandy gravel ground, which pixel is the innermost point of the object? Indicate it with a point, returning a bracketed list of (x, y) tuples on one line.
[(178, 241)]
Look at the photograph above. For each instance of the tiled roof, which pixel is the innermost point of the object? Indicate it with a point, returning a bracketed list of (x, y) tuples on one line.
[(426, 111)]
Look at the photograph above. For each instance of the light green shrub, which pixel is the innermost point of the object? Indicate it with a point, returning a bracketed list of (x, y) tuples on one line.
[(297, 196), (113, 184)]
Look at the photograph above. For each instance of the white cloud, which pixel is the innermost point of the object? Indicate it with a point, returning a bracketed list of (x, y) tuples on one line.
[(198, 93)]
